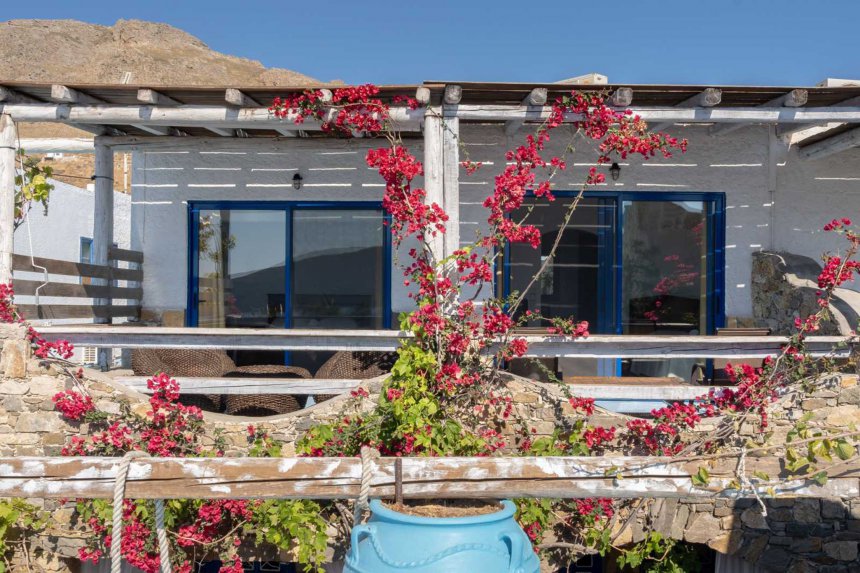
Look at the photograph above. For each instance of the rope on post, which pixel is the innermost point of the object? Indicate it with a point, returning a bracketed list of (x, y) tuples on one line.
[(368, 457), (116, 533)]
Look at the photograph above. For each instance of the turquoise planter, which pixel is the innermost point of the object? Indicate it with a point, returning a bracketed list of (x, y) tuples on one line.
[(392, 541)]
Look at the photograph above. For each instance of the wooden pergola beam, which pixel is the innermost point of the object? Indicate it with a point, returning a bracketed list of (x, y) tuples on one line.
[(453, 94), (8, 95), (832, 145), (709, 97), (65, 94), (794, 98), (621, 97), (239, 98), (534, 101), (152, 97), (787, 129), (619, 477)]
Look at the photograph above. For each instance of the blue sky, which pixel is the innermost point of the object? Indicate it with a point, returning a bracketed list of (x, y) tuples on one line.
[(757, 42)]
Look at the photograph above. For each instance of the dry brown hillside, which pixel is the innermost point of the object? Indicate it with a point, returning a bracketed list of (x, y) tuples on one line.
[(130, 51)]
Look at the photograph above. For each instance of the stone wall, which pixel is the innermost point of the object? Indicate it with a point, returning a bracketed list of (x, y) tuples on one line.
[(784, 287), (796, 535)]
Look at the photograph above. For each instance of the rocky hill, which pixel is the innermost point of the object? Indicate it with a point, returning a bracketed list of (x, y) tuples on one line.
[(130, 51)]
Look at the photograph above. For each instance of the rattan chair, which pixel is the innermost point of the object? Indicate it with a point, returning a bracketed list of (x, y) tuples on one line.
[(206, 363), (354, 365), (201, 363), (264, 404)]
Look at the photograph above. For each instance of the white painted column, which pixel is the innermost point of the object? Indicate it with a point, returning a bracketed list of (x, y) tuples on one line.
[(103, 225), (434, 170), (7, 196), (451, 181)]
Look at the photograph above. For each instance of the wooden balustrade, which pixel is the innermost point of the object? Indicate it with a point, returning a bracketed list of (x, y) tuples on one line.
[(87, 275)]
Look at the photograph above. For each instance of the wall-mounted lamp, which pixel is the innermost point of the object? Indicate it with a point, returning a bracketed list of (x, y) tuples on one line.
[(614, 172), (297, 181)]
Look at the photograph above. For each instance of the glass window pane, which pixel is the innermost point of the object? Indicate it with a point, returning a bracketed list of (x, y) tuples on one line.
[(665, 277), (241, 268), (337, 268), (664, 262), (569, 286)]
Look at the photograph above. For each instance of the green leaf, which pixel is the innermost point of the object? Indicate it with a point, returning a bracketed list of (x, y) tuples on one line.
[(820, 478), (761, 475), (845, 450), (701, 477)]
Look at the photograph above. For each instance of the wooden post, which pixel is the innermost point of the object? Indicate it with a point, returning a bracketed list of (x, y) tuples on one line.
[(7, 196), (434, 170), (451, 182), (103, 223)]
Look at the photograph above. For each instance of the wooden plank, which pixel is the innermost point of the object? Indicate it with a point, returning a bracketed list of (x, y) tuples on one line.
[(152, 97), (65, 94), (75, 290), (57, 311), (832, 145), (709, 97), (492, 112), (656, 390), (598, 346), (340, 478), (9, 95), (56, 144), (23, 263), (228, 117), (794, 98), (192, 385), (536, 98), (117, 254)]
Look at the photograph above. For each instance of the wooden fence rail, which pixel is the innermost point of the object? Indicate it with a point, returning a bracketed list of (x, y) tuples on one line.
[(340, 478), (95, 282), (599, 346)]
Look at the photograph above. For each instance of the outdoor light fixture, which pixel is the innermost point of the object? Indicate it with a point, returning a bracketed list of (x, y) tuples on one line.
[(297, 181), (614, 171)]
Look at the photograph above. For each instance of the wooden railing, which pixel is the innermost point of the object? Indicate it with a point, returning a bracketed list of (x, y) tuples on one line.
[(420, 478), (629, 391), (95, 282)]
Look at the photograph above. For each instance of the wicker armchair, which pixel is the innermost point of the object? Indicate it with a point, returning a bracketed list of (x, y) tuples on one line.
[(201, 363), (354, 365), (217, 364), (264, 404)]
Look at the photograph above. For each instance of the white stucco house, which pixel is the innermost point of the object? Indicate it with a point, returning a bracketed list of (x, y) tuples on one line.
[(245, 221)]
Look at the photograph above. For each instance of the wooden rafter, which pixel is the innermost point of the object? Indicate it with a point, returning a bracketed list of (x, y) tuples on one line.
[(787, 129), (8, 95), (831, 145), (622, 97), (152, 97), (534, 101), (709, 97), (794, 98)]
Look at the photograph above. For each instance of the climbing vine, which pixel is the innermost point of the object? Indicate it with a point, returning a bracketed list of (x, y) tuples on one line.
[(446, 394)]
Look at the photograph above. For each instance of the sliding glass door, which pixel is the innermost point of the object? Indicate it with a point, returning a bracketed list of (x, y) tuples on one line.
[(288, 265), (628, 263)]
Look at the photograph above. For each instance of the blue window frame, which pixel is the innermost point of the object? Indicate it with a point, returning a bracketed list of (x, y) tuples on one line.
[(610, 253), (289, 208)]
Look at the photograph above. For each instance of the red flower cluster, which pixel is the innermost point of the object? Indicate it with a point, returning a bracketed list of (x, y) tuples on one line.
[(73, 405)]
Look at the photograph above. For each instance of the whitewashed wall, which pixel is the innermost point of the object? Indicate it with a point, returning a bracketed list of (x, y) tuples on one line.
[(809, 193), (57, 235), (164, 181)]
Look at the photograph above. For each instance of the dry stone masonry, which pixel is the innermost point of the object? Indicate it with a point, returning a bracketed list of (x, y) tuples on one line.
[(796, 535)]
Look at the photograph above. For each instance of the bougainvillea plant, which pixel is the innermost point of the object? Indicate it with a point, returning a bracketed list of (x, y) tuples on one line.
[(446, 394)]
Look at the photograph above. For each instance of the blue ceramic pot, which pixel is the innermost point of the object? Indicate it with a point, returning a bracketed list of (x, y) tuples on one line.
[(391, 541)]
